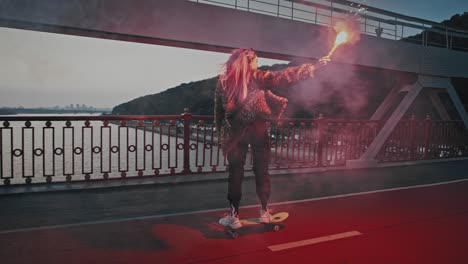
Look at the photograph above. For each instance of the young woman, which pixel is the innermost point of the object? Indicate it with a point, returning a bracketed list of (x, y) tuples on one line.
[(243, 100)]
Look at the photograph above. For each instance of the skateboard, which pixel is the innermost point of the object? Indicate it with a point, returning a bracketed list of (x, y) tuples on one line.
[(274, 225)]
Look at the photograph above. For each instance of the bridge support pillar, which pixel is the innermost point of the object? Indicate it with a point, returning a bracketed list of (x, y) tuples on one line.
[(368, 159), (435, 99), (390, 100), (457, 102)]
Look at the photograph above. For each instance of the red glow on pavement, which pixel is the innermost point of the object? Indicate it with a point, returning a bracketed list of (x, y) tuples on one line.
[(397, 227)]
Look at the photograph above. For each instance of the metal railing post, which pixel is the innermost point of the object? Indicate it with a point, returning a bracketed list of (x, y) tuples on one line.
[(187, 117), (278, 9), (447, 39), (316, 14), (412, 136), (365, 25), (292, 10), (427, 125), (320, 128), (422, 36)]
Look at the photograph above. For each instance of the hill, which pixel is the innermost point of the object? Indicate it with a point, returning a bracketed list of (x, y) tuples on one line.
[(458, 21), (198, 96)]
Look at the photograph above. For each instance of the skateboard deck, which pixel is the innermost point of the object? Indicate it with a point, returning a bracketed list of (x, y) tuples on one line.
[(274, 225)]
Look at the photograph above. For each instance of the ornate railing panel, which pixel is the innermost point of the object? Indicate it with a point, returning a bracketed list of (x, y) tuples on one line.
[(293, 143), (45, 149)]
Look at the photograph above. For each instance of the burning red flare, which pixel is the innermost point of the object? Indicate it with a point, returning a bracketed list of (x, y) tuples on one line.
[(348, 31), (341, 38)]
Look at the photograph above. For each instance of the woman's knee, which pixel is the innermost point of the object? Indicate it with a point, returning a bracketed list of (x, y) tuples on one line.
[(236, 169), (261, 175), (260, 168)]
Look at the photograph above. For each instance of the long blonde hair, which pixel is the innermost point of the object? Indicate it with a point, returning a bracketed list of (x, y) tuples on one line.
[(236, 74)]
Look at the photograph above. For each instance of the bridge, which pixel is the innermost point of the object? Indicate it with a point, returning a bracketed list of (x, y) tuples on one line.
[(276, 29), (331, 157)]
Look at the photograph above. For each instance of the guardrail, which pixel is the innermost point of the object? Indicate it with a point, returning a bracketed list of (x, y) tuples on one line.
[(425, 139), (46, 149), (374, 21)]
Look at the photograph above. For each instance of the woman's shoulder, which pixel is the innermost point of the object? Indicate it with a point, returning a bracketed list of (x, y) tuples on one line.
[(260, 73)]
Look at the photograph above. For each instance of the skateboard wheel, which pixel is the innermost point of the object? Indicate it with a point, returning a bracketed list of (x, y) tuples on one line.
[(276, 228), (232, 233)]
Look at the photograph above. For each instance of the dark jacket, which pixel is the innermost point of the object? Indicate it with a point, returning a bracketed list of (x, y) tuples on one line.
[(260, 103)]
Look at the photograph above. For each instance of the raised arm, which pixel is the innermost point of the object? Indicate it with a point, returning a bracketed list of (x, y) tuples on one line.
[(290, 75), (286, 77)]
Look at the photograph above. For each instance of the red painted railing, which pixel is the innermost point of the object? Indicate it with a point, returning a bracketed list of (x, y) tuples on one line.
[(425, 139), (45, 149)]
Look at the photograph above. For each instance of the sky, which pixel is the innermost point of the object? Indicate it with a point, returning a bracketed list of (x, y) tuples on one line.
[(43, 69)]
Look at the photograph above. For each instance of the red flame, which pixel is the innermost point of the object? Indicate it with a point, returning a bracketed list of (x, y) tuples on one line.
[(341, 38), (348, 32)]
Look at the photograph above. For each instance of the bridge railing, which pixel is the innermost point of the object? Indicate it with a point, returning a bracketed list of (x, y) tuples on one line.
[(373, 21), (46, 149), (425, 139)]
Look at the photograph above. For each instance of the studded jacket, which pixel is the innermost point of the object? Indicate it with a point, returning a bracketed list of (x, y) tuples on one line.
[(260, 104)]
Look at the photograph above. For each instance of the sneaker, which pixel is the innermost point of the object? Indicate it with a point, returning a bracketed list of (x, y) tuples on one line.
[(265, 216), (231, 221)]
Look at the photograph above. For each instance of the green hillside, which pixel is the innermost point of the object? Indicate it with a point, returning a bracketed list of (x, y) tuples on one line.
[(197, 96)]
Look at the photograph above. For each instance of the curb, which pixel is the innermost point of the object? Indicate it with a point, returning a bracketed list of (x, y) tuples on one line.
[(181, 179)]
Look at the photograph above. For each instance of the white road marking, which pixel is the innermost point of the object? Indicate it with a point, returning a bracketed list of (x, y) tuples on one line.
[(127, 219), (313, 241)]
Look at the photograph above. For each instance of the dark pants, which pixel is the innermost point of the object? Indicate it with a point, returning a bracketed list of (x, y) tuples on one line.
[(256, 135)]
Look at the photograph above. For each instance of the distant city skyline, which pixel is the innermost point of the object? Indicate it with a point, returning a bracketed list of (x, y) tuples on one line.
[(64, 107), (43, 69)]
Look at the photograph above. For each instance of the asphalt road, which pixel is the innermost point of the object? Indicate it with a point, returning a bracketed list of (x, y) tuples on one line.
[(176, 223)]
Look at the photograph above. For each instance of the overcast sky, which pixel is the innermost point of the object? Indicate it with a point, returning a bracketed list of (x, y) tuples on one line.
[(42, 69)]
